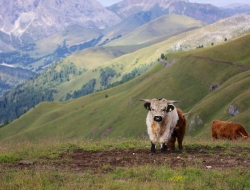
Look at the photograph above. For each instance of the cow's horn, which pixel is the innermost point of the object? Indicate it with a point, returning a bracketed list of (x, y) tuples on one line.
[(186, 113), (144, 100), (173, 101), (244, 136)]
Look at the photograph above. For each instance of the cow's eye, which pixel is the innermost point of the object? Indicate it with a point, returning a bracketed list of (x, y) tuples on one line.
[(163, 109), (152, 109)]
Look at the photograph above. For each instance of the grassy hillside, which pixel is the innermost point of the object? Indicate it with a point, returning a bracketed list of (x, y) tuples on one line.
[(146, 57), (94, 57), (167, 24), (127, 25), (115, 112)]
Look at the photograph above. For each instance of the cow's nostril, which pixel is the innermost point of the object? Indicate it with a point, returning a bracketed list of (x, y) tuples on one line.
[(158, 118)]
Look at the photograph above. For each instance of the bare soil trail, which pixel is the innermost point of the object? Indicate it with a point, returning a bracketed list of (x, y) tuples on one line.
[(80, 160)]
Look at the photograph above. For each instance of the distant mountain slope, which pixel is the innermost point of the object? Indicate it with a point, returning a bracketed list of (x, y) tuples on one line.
[(223, 30), (117, 113), (204, 12), (11, 77), (128, 24), (74, 38), (168, 24)]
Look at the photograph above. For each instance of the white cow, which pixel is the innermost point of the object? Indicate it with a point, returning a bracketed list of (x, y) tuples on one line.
[(161, 121)]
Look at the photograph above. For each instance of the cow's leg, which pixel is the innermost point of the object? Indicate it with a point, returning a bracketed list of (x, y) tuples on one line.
[(171, 143), (163, 148), (180, 144), (152, 148), (180, 139), (214, 135)]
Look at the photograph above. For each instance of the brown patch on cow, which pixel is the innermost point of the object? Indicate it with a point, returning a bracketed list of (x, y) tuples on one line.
[(158, 128), (178, 133), (228, 130), (107, 131)]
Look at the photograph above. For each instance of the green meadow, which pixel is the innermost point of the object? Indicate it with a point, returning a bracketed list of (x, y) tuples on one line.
[(45, 154)]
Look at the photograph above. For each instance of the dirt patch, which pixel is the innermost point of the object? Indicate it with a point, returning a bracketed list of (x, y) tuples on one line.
[(104, 161), (107, 131)]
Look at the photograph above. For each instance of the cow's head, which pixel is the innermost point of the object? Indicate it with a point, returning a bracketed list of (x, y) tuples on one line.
[(158, 107), (245, 137)]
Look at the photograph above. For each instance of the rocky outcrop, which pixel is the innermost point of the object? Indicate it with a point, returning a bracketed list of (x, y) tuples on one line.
[(232, 110)]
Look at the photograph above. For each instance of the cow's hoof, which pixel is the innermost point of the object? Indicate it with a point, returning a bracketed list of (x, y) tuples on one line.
[(171, 150), (163, 151)]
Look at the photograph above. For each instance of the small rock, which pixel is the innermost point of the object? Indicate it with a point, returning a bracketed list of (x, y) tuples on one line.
[(208, 167), (25, 162), (178, 157), (121, 181), (133, 153)]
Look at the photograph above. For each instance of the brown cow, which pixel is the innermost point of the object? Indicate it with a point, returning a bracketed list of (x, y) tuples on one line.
[(228, 130), (178, 133)]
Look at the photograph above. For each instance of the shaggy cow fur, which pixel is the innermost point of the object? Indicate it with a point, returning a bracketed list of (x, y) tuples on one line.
[(178, 133), (228, 130)]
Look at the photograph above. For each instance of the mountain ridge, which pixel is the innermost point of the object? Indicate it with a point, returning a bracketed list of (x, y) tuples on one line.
[(205, 12), (39, 19)]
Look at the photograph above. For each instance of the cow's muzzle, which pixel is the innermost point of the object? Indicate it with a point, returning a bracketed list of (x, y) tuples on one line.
[(158, 118)]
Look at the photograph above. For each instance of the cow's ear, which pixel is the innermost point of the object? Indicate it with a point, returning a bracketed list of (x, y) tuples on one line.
[(147, 106), (170, 108)]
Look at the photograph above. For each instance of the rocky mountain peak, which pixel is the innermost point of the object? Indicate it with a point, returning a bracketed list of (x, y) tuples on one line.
[(42, 18)]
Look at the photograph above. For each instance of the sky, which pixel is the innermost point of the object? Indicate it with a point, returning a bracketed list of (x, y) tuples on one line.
[(218, 3)]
